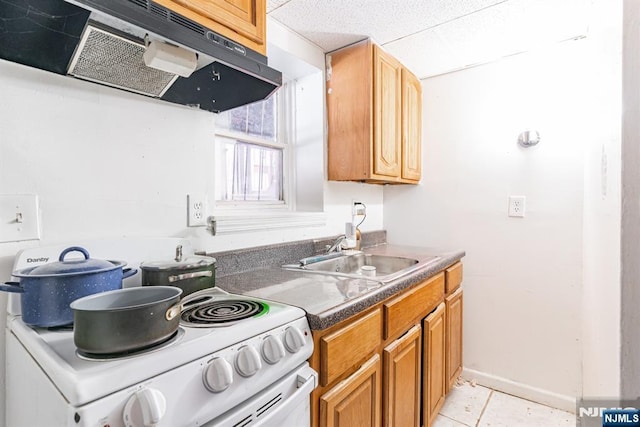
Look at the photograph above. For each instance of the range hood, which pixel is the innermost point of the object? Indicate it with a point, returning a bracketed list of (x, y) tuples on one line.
[(104, 41)]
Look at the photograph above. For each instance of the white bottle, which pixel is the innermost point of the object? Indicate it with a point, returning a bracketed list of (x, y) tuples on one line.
[(350, 234)]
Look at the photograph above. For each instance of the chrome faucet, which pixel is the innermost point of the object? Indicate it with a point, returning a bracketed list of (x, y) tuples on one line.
[(336, 245)]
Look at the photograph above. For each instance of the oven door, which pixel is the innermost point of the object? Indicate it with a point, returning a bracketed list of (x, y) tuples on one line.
[(284, 403)]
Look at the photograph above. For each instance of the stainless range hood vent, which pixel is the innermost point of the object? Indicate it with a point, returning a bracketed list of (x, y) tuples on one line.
[(107, 58), (102, 41)]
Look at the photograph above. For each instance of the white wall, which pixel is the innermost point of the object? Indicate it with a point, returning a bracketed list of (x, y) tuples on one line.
[(602, 197), (522, 275), (106, 163)]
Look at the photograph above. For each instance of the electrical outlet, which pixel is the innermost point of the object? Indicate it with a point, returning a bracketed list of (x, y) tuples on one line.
[(196, 210), (517, 206), (357, 208)]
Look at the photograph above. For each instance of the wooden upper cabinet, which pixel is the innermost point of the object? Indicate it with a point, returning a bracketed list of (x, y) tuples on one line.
[(411, 126), (243, 21), (366, 110), (386, 114)]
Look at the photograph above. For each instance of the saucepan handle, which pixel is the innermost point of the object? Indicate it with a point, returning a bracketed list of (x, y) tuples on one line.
[(186, 276), (11, 287), (173, 311), (128, 272)]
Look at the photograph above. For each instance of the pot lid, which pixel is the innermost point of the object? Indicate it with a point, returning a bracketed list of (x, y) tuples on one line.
[(179, 262), (73, 266), (194, 261)]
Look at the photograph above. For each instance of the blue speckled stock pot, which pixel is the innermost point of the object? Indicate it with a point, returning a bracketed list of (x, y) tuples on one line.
[(47, 290)]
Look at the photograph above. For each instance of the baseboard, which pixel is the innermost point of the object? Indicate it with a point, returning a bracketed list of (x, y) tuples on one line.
[(524, 391)]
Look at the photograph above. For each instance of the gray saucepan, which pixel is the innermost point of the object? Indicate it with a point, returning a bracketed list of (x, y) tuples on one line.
[(126, 320), (191, 274)]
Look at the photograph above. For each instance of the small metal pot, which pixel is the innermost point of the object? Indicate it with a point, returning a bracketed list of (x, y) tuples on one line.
[(126, 320), (48, 289), (191, 274)]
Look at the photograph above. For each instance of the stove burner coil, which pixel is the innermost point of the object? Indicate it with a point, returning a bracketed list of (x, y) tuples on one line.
[(223, 313)]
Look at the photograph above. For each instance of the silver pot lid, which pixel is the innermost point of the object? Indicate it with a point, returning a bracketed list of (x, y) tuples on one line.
[(72, 266), (179, 262)]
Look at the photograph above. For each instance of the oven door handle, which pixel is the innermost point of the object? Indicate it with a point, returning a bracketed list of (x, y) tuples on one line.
[(306, 384)]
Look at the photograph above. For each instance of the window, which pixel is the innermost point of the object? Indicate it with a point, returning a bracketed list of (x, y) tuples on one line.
[(251, 153), (269, 161)]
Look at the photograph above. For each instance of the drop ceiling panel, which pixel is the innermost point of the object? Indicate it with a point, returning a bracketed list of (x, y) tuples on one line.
[(504, 29), (332, 24), (274, 4)]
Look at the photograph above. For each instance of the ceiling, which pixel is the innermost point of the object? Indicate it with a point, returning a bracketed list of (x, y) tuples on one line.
[(433, 37)]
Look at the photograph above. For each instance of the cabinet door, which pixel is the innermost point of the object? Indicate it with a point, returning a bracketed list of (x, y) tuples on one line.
[(386, 114), (246, 18), (454, 337), (434, 379), (411, 126), (402, 381), (355, 401)]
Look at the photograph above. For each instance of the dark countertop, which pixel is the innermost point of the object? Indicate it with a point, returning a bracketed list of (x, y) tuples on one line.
[(329, 299)]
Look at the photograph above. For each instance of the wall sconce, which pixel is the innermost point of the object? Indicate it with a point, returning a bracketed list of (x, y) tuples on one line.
[(529, 138)]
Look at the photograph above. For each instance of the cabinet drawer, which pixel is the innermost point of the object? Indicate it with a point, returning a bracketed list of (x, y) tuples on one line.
[(453, 277), (402, 312), (346, 348)]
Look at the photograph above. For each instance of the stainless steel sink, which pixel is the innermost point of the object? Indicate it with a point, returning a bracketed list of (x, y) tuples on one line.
[(352, 264), (387, 268)]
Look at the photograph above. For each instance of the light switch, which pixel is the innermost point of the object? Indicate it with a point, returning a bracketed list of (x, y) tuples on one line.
[(19, 217)]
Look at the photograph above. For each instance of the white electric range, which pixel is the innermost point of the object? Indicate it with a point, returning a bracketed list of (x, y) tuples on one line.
[(246, 368)]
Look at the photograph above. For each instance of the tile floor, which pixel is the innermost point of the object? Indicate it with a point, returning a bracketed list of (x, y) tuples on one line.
[(477, 406)]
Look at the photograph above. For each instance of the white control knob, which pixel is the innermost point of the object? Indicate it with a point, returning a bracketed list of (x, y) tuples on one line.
[(218, 376), (145, 408), (293, 339), (247, 361), (272, 349)]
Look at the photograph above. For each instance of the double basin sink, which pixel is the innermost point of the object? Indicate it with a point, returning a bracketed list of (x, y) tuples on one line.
[(382, 268)]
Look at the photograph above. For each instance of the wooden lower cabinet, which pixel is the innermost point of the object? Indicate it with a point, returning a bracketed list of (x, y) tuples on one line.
[(392, 364), (454, 306), (402, 381), (355, 401), (433, 364)]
